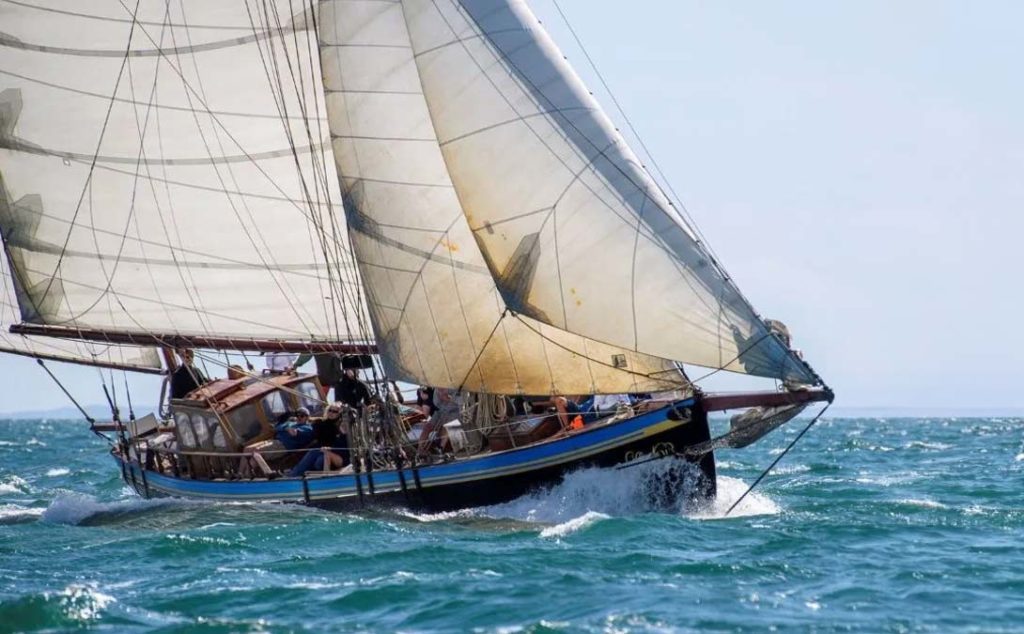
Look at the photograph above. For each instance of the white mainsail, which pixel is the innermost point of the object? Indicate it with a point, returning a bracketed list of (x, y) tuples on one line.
[(163, 170), (127, 357), (575, 232), (436, 310)]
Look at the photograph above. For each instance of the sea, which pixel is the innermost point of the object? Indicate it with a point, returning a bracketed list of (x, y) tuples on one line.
[(867, 525)]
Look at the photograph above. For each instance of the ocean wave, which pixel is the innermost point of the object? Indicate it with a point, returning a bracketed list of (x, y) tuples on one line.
[(888, 480), (14, 514), (924, 503), (13, 484), (81, 509), (791, 469), (932, 446), (54, 473), (77, 605), (573, 525)]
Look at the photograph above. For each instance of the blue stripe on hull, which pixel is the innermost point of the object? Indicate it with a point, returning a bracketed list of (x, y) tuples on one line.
[(563, 451)]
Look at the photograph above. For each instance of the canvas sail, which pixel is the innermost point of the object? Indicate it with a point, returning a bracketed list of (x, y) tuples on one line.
[(164, 169), (126, 357), (438, 315), (573, 229)]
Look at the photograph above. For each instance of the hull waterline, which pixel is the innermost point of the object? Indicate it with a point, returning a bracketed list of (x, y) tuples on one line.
[(481, 480)]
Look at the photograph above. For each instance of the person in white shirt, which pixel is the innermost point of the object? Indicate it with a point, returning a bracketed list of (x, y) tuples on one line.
[(281, 362), (609, 402)]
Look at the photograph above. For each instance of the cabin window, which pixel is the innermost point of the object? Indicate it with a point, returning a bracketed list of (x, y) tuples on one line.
[(245, 422), (201, 430), (185, 435), (310, 398), (219, 440), (274, 406)]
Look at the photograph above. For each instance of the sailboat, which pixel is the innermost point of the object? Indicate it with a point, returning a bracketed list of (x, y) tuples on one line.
[(424, 189)]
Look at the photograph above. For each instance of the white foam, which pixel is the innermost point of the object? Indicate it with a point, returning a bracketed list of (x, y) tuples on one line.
[(791, 469), (439, 517), (83, 602), (920, 444), (730, 490), (610, 492), (924, 503), (573, 525), (202, 539), (54, 473), (13, 484), (12, 513), (888, 480)]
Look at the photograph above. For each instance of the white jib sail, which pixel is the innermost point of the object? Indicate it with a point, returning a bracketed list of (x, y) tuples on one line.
[(576, 233), (434, 304), (164, 170)]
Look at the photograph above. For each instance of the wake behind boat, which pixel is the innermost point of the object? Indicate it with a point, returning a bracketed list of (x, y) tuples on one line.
[(426, 187)]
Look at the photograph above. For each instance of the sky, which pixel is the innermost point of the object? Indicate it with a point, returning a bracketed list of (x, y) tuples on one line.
[(858, 167)]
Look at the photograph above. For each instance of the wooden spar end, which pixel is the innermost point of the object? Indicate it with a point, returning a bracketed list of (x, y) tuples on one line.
[(742, 400), (169, 340)]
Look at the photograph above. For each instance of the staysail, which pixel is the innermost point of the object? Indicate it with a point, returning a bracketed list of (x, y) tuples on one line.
[(163, 169), (438, 315), (573, 229)]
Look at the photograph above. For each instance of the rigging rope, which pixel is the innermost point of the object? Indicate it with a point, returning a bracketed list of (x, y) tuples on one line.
[(778, 458), (92, 421), (674, 199)]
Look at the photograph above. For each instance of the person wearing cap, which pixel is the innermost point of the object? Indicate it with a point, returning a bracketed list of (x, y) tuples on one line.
[(289, 436), (295, 434), (331, 440)]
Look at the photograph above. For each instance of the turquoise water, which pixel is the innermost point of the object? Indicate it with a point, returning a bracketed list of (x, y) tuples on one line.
[(868, 525)]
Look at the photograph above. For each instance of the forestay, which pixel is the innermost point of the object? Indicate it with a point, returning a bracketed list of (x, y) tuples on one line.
[(162, 168), (436, 310), (573, 229)]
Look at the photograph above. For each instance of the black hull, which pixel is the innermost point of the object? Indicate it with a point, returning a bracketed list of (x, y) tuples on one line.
[(696, 484)]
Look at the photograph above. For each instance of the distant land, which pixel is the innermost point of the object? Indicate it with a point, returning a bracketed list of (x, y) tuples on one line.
[(99, 412), (102, 412)]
